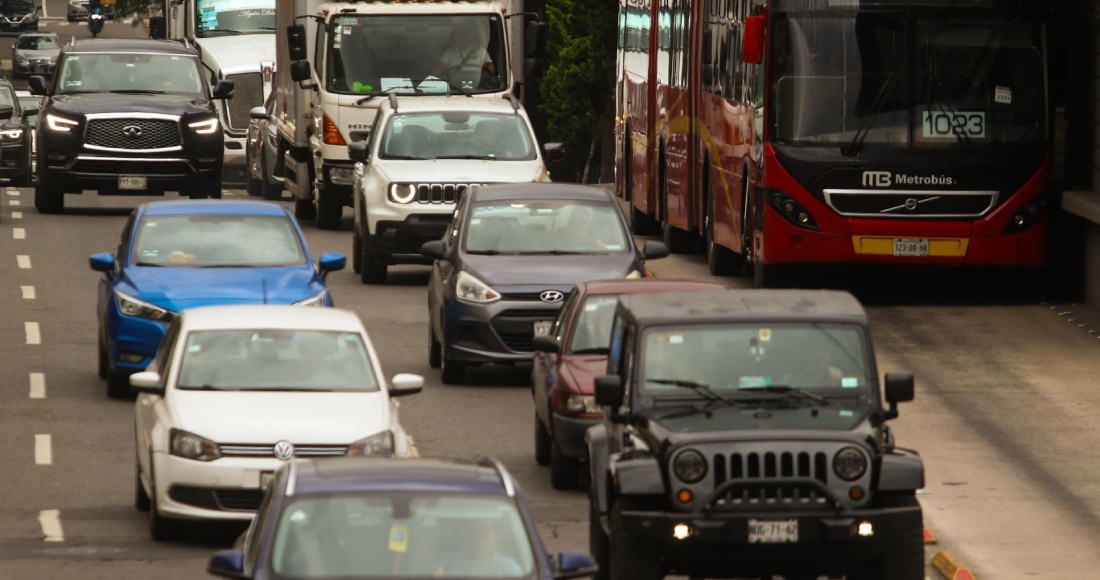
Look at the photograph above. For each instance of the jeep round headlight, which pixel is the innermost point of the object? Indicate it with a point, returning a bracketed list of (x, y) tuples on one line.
[(690, 466), (850, 464)]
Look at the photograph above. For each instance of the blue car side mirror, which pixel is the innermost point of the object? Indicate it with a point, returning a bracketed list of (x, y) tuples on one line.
[(575, 565), (331, 262), (103, 262), (227, 564)]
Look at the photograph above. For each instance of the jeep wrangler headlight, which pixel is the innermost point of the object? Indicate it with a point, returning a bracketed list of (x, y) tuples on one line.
[(850, 464), (690, 466)]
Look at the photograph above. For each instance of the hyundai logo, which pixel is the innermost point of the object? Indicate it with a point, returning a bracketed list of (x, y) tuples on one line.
[(551, 296), (132, 131), (284, 450)]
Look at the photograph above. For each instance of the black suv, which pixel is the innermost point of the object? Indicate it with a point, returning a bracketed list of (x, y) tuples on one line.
[(15, 139), (128, 117), (744, 436)]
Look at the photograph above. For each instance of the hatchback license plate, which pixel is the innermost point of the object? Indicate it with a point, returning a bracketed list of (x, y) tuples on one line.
[(132, 182), (910, 247), (542, 327), (773, 531)]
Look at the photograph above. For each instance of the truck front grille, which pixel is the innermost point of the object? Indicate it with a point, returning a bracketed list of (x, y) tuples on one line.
[(132, 134), (248, 92)]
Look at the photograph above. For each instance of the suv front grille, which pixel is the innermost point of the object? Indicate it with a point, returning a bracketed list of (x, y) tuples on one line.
[(441, 192), (121, 135), (248, 92)]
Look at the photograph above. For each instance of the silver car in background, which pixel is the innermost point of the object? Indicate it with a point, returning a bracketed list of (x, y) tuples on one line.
[(78, 10), (35, 53)]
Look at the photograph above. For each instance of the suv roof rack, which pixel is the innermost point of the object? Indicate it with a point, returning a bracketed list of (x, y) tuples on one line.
[(505, 477), (512, 98)]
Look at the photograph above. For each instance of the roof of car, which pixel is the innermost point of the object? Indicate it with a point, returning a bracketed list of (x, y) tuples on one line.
[(643, 285), (521, 191), (358, 474), (732, 305), (128, 45), (269, 317), (413, 104), (188, 207)]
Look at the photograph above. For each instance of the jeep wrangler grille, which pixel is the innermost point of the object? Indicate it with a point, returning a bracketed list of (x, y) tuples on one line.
[(771, 465)]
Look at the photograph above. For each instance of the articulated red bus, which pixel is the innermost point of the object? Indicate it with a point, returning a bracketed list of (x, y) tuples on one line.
[(785, 132)]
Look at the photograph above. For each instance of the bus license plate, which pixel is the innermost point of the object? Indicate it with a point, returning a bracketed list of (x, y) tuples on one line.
[(132, 182), (910, 247), (773, 531), (542, 327)]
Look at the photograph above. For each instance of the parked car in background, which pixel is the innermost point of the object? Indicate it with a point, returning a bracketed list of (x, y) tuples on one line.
[(508, 258), (30, 105), (35, 53), (78, 10), (570, 357), (15, 139), (236, 391), (372, 518), (174, 255), (262, 153)]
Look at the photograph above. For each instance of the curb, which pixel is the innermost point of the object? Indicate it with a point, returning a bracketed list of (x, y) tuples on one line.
[(950, 567)]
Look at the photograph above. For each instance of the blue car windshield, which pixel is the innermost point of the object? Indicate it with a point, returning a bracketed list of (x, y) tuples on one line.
[(217, 241)]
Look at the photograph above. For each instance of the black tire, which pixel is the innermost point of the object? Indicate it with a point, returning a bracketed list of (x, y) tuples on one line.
[(371, 271), (356, 253), (118, 385), (104, 365), (329, 212), (452, 372), (268, 190), (564, 471), (216, 190), (303, 209), (631, 556), (903, 554), (70, 17), (543, 442), (435, 349), (253, 186), (162, 529), (141, 499), (47, 201), (641, 223), (598, 544)]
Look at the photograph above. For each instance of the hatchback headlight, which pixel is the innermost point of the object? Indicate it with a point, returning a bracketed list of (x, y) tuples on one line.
[(690, 466), (470, 289), (582, 404), (402, 192), (378, 445), (20, 58), (191, 446), (317, 299), (850, 464), (206, 127), (11, 134), (131, 306), (60, 124)]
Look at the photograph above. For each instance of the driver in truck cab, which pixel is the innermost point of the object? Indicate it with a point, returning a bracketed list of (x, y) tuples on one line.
[(464, 51)]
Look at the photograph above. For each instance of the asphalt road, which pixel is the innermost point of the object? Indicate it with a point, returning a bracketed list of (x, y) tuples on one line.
[(1003, 417)]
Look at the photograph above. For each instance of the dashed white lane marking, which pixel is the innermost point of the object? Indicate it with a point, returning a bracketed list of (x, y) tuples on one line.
[(50, 520), (34, 334), (38, 386), (28, 292), (24, 261), (16, 215), (18, 234), (13, 202), (13, 192), (43, 449), (413, 452)]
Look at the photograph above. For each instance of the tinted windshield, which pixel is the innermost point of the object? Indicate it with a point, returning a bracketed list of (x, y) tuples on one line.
[(458, 135), (808, 356), (401, 536), (302, 360), (592, 330), (395, 53), (220, 17), (907, 80), (541, 227), (42, 42), (156, 73), (17, 6), (211, 241)]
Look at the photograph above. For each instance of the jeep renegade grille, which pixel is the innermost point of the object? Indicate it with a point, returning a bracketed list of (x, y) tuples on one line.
[(120, 134)]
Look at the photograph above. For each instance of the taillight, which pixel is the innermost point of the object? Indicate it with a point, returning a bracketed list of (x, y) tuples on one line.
[(332, 135)]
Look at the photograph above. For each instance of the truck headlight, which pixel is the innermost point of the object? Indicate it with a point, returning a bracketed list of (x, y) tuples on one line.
[(378, 445), (850, 464), (206, 127), (470, 289), (191, 446), (60, 124), (690, 466), (402, 192), (582, 404), (131, 306), (341, 175)]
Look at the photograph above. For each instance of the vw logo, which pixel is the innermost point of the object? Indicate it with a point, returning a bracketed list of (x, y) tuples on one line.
[(551, 296), (284, 450), (132, 131), (911, 203)]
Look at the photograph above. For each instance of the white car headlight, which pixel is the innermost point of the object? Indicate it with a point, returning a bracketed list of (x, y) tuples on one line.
[(131, 306), (191, 446), (470, 289), (60, 123), (11, 135), (377, 445), (317, 299), (204, 127), (402, 192)]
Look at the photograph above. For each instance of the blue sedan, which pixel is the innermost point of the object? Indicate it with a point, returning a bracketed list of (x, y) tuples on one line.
[(181, 254)]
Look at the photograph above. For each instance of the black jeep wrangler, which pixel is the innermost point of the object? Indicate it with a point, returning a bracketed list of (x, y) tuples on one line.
[(744, 436)]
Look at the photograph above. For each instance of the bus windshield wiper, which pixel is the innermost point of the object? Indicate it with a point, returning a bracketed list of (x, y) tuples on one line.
[(788, 393), (876, 107)]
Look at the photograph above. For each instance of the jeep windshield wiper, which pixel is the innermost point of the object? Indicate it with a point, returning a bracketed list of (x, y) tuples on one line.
[(137, 91), (788, 393), (703, 390)]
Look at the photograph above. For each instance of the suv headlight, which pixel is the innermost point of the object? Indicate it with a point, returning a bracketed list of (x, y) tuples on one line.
[(402, 192), (317, 299), (470, 289), (131, 306), (191, 446), (582, 404), (11, 134), (60, 124), (204, 127), (850, 464), (378, 445), (690, 466)]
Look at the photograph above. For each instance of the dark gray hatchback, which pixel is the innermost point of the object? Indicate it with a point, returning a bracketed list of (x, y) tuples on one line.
[(510, 256)]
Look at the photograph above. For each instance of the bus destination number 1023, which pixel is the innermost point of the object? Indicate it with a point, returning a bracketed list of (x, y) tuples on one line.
[(948, 125)]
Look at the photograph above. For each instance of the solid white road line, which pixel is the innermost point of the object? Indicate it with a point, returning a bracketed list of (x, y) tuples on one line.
[(18, 234), (16, 215), (13, 192), (24, 261), (43, 450), (50, 520), (38, 385), (28, 292), (34, 334)]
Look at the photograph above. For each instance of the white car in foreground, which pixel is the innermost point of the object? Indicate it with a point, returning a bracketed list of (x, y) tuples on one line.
[(235, 391)]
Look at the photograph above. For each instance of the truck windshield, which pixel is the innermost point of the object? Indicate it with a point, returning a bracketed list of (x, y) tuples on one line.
[(221, 17), (375, 54), (925, 79), (124, 73)]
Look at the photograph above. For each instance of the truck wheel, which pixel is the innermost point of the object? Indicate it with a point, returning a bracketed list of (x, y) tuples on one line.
[(632, 557), (270, 191), (543, 442), (902, 557), (303, 209), (329, 212), (564, 471), (47, 201), (597, 543), (371, 272)]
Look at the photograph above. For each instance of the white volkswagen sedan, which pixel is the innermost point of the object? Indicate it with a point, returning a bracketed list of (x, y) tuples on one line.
[(236, 390)]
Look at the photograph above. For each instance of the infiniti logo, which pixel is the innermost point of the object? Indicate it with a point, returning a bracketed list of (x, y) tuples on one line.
[(551, 296), (284, 450), (132, 131)]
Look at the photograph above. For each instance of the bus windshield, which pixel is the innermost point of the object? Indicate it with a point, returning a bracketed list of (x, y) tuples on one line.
[(898, 79), (224, 17)]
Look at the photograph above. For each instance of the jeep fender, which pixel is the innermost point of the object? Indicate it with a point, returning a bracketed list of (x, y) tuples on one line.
[(596, 440), (637, 473), (901, 470)]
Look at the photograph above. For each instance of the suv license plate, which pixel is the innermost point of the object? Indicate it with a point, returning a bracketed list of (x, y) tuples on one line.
[(910, 247), (266, 477), (773, 531), (132, 182), (542, 327)]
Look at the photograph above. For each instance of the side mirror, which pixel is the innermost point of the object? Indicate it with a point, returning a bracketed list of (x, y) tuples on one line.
[(158, 28), (30, 111), (227, 564), (257, 113), (652, 250), (575, 565), (609, 391), (6, 111), (146, 382), (296, 41), (37, 85), (299, 71), (37, 9), (752, 45), (553, 152), (433, 249), (535, 41), (899, 389), (405, 384), (223, 90), (359, 151), (103, 262), (331, 262), (546, 343)]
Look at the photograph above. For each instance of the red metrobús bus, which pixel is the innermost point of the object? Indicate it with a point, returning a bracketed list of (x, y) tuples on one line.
[(792, 132)]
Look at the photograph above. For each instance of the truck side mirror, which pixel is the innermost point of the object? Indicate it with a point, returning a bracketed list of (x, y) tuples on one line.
[(899, 389), (296, 41), (223, 90), (609, 391), (359, 151), (752, 46), (299, 71), (553, 152), (158, 28), (535, 41)]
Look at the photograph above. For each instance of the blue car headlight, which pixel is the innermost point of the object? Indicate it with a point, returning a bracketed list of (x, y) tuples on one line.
[(317, 299), (131, 306)]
